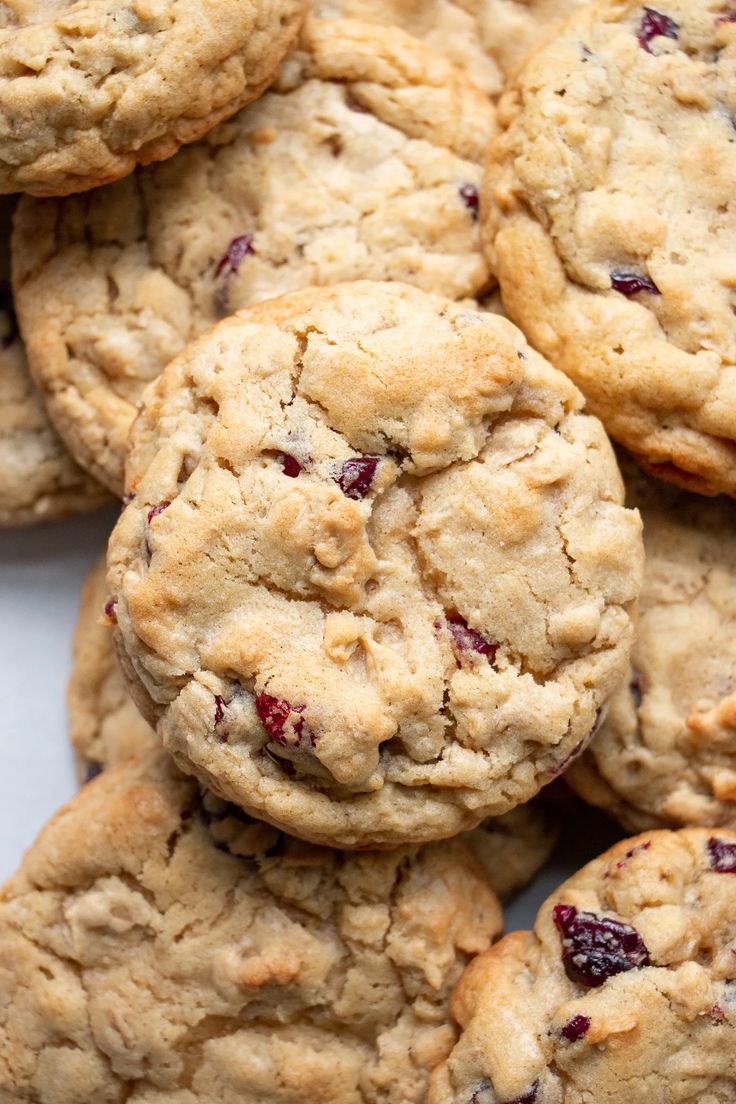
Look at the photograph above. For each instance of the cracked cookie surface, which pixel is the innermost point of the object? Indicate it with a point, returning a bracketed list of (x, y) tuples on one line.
[(623, 992), (610, 217), (88, 90), (106, 728), (487, 39), (376, 581), (364, 162), (666, 753), (104, 724), (158, 945), (38, 478)]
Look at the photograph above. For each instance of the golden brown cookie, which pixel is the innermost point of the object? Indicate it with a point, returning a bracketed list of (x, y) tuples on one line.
[(376, 581)]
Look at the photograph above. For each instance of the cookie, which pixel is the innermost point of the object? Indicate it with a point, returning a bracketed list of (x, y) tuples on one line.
[(623, 992), (90, 90), (104, 724), (39, 480), (666, 754), (488, 39), (363, 163), (159, 945), (375, 582), (608, 212), (514, 847)]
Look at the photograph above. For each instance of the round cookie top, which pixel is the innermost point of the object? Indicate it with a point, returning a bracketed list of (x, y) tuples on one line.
[(622, 993), (91, 89), (375, 581), (488, 39), (159, 945), (104, 724), (363, 163), (38, 478), (611, 220), (666, 753)]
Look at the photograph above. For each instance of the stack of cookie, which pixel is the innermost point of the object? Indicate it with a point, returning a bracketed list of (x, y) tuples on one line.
[(377, 579)]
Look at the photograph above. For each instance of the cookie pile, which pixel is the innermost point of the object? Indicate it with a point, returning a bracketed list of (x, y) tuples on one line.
[(347, 306)]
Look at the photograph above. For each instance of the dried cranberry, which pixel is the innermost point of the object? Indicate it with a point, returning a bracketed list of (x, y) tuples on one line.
[(636, 850), (575, 1029), (110, 609), (290, 464), (237, 251), (469, 196), (156, 510), (631, 284), (219, 709), (722, 855), (729, 18), (655, 25), (466, 639), (595, 948), (357, 475), (91, 769), (274, 714)]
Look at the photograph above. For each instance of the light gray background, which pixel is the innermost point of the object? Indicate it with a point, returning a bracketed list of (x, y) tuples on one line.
[(41, 573)]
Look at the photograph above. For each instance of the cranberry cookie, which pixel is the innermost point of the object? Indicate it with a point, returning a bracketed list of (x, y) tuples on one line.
[(364, 162), (88, 90), (375, 582), (623, 992), (39, 480), (486, 38), (159, 945), (611, 218), (666, 754)]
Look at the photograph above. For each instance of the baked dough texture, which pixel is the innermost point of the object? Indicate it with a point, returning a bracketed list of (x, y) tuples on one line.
[(106, 728), (375, 582), (609, 216), (666, 753), (487, 39), (364, 162), (39, 480), (622, 994), (90, 89), (158, 946), (104, 725)]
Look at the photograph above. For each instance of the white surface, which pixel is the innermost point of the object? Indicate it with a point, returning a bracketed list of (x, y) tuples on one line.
[(41, 574)]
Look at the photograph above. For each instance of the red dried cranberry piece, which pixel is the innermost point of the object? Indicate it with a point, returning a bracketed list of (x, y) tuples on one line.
[(110, 609), (469, 196), (219, 709), (637, 849), (274, 714), (575, 1029), (595, 948), (722, 855), (237, 251), (631, 284), (357, 475), (156, 510), (655, 25), (290, 464), (729, 18), (466, 639)]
